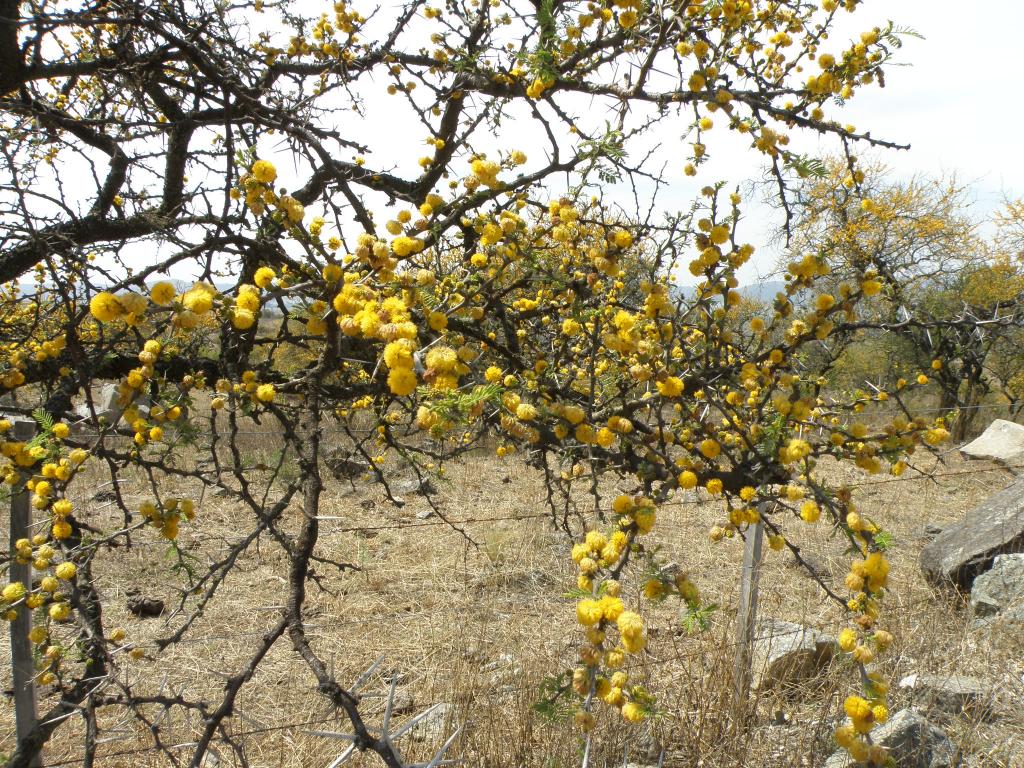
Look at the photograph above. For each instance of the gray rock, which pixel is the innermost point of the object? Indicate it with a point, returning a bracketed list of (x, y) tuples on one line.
[(104, 494), (1000, 587), (420, 485), (503, 670), (433, 727), (962, 551), (108, 406), (1003, 441), (912, 742), (786, 653), (343, 466), (7, 406), (145, 607), (1013, 615), (423, 514), (950, 694)]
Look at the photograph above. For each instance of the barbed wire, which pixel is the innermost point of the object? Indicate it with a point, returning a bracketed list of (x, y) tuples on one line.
[(450, 522)]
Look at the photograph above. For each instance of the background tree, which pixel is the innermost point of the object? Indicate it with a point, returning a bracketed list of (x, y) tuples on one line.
[(952, 294)]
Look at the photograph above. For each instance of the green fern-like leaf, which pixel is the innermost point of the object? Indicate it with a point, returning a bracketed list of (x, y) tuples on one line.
[(43, 418)]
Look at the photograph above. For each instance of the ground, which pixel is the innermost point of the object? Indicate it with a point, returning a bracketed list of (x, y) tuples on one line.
[(477, 621)]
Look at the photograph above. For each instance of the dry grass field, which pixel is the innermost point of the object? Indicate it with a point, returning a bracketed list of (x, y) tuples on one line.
[(476, 619)]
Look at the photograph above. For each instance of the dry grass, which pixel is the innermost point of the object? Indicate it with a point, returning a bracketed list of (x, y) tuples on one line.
[(477, 621)]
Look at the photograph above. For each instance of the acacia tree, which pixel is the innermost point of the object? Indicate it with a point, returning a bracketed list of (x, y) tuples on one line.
[(952, 294), (146, 144)]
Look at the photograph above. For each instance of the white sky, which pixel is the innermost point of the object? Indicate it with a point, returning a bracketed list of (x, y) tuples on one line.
[(954, 101), (951, 97)]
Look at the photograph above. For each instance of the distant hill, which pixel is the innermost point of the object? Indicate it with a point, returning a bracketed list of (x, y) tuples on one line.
[(763, 292)]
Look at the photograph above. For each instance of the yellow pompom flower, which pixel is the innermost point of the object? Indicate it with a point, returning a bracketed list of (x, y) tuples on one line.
[(66, 571), (871, 287), (710, 448), (199, 298), (719, 235), (848, 640), (438, 321), (645, 519), (404, 246), (633, 712), (242, 319), (264, 277), (810, 511), (162, 293), (589, 612), (672, 386), (266, 393), (402, 381), (105, 307), (264, 171), (622, 238), (13, 592), (526, 412)]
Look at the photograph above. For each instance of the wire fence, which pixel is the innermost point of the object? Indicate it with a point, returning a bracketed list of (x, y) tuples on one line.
[(412, 615), (548, 515)]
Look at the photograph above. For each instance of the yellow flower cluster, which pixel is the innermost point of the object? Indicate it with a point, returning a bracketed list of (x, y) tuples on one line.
[(166, 515), (483, 172), (256, 187)]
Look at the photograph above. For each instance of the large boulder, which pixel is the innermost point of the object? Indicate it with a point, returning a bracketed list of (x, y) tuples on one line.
[(999, 588), (1003, 441), (786, 654), (962, 551), (912, 742)]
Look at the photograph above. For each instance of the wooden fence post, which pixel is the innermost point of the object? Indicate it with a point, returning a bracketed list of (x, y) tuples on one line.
[(21, 647), (747, 614)]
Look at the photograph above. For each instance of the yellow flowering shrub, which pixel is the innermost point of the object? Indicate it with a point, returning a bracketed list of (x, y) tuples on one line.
[(248, 261)]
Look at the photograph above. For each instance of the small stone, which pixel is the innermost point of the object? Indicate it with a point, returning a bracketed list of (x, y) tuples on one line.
[(950, 694), (813, 566), (403, 703), (912, 741), (423, 514), (145, 607), (419, 485), (343, 466), (432, 727), (787, 654)]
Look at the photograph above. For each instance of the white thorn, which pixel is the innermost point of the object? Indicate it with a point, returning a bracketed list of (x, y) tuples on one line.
[(366, 675)]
